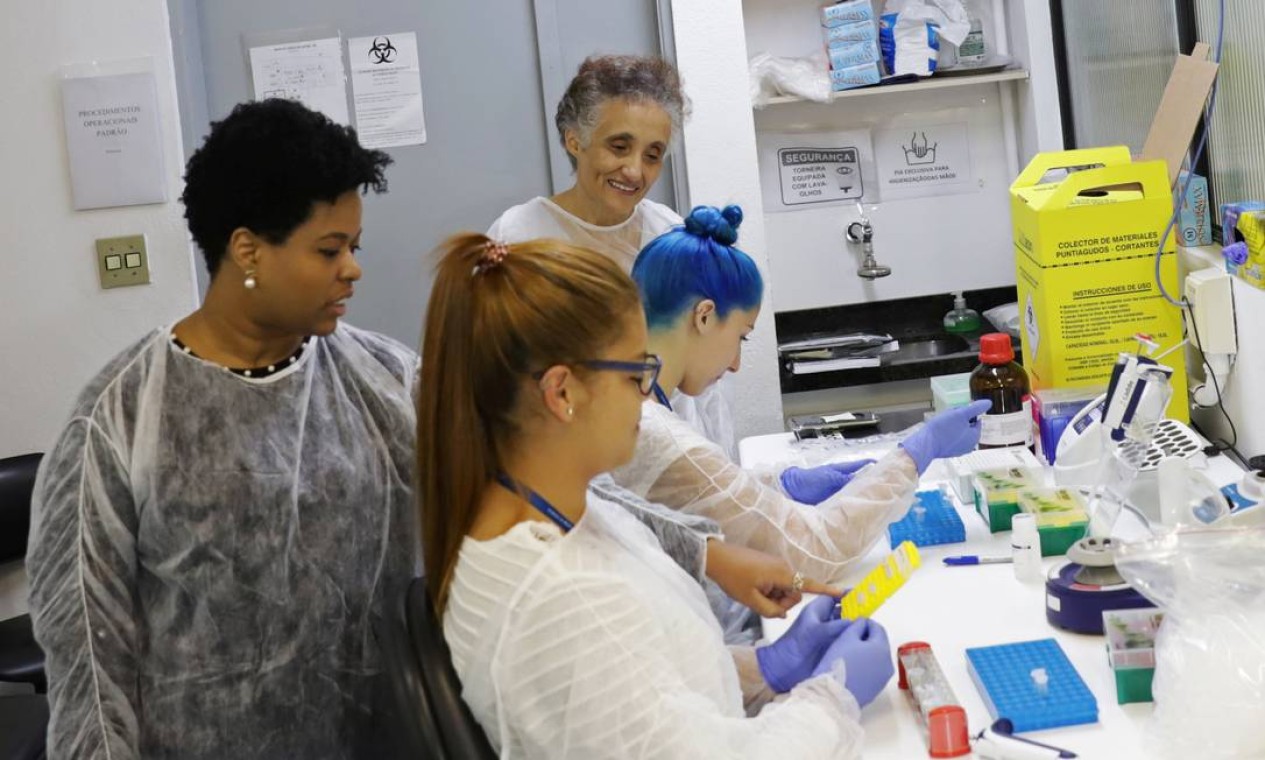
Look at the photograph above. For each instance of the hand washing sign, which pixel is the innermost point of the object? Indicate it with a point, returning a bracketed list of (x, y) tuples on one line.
[(914, 162), (806, 170)]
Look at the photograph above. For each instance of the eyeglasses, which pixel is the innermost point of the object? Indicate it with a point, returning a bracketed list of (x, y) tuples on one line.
[(647, 371)]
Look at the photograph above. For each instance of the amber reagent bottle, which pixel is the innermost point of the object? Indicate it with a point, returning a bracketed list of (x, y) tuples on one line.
[(1000, 380)]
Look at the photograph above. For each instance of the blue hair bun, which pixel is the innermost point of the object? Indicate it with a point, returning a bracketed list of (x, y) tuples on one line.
[(716, 224)]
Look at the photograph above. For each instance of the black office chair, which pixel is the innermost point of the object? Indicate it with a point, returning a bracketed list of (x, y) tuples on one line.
[(407, 716), (21, 659), (463, 736), (23, 720)]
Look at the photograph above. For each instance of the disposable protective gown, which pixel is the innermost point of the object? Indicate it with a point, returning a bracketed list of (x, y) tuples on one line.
[(593, 644), (208, 552), (676, 466)]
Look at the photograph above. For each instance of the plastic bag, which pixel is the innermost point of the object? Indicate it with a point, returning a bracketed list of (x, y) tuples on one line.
[(910, 33), (805, 78), (1005, 318), (1209, 683)]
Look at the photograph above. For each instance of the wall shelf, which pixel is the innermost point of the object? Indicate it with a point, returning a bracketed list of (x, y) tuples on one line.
[(930, 83)]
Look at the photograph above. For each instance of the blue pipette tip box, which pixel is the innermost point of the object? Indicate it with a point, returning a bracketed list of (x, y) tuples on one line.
[(939, 523), (1003, 676)]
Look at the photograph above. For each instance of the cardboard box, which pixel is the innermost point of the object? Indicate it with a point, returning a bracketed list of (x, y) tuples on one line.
[(1085, 258), (1181, 108), (1195, 220), (847, 12)]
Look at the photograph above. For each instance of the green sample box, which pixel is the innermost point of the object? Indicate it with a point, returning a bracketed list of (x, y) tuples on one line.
[(1131, 651), (1061, 517), (997, 494)]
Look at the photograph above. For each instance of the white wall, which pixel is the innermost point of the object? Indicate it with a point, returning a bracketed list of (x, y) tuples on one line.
[(720, 152), (59, 327)]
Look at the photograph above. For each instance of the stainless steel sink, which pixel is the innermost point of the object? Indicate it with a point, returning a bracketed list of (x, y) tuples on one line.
[(931, 348)]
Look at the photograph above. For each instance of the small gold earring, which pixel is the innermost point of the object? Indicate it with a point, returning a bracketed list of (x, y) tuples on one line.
[(570, 411)]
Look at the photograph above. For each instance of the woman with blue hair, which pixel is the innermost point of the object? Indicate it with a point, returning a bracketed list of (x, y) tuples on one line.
[(701, 297)]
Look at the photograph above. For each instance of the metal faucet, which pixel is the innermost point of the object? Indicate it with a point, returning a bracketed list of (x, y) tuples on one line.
[(862, 232)]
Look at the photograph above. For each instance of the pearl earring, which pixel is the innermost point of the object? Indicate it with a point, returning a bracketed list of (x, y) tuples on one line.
[(570, 411), (250, 282)]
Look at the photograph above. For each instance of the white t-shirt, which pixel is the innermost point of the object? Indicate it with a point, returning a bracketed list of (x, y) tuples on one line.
[(542, 218)]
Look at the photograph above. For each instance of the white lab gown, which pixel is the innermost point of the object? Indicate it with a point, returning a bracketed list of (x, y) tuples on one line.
[(593, 644), (674, 465), (208, 551), (542, 218)]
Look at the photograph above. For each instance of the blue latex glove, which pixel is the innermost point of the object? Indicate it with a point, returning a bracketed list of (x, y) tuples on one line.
[(867, 659), (814, 485), (948, 434), (791, 659)]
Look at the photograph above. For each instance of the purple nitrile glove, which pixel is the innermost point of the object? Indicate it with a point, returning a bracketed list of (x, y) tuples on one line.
[(813, 485), (1236, 253), (948, 434), (791, 659), (867, 659)]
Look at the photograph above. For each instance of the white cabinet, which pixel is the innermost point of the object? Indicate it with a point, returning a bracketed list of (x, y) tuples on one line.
[(959, 240), (934, 245)]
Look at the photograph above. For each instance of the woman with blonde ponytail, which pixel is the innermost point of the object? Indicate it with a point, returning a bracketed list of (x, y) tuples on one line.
[(573, 633)]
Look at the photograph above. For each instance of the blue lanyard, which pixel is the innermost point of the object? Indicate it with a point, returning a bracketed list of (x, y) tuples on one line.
[(536, 500), (661, 397)]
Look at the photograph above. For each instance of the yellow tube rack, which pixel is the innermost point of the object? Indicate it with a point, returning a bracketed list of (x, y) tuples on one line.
[(881, 582)]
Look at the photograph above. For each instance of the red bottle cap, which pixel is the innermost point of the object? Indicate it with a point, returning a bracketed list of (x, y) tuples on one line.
[(947, 735), (995, 348)]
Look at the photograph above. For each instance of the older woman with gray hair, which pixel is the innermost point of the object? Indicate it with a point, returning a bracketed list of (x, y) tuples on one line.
[(616, 122)]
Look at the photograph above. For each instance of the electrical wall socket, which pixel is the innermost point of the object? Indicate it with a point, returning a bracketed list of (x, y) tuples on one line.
[(122, 261)]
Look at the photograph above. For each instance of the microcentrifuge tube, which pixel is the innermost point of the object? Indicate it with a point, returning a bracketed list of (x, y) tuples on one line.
[(1041, 680)]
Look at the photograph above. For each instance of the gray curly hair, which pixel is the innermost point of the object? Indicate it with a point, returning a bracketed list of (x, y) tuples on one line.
[(606, 77)]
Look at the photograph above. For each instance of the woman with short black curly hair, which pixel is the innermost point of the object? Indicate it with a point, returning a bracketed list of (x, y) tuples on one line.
[(231, 501)]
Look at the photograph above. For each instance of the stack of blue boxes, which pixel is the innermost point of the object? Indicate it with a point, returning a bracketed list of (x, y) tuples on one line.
[(852, 44)]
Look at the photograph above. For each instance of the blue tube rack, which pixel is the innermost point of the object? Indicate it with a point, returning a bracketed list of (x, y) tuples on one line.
[(939, 523), (1003, 675)]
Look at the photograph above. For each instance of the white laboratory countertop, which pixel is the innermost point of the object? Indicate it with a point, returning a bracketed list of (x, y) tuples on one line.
[(953, 608)]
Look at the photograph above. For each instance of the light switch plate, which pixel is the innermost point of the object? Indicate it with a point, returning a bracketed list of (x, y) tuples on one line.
[(122, 261)]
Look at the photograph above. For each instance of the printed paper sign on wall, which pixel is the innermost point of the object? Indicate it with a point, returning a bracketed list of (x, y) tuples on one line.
[(387, 87), (114, 141), (915, 162), (814, 175), (809, 170), (309, 71)]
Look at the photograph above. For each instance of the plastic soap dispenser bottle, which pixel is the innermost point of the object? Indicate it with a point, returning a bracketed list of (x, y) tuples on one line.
[(999, 379), (961, 319)]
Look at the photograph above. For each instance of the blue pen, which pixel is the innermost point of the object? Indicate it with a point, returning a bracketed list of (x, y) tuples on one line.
[(971, 559)]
